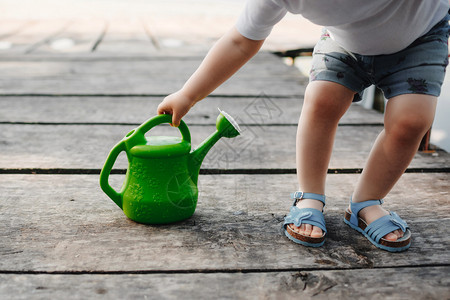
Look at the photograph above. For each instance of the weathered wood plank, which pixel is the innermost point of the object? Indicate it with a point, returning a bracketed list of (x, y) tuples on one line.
[(9, 28), (429, 283), (261, 110), (125, 36), (265, 74), (187, 34), (79, 38), (34, 35), (64, 223), (258, 147), (196, 25)]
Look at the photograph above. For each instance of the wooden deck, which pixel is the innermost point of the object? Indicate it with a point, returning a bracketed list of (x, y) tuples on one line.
[(63, 109)]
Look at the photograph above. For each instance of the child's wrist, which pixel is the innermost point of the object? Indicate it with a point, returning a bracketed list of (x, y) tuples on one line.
[(189, 96)]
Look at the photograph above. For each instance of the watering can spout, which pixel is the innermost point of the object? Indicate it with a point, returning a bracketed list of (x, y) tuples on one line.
[(226, 127)]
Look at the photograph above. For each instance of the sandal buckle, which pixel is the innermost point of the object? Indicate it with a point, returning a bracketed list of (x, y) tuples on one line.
[(297, 196)]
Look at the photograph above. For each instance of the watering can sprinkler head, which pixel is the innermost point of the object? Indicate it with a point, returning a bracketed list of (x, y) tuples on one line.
[(226, 125)]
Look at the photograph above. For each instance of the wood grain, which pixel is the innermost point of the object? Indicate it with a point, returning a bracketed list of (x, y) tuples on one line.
[(378, 283), (258, 147), (260, 109), (64, 223), (125, 76)]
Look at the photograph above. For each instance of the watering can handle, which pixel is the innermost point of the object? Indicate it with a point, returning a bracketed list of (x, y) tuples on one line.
[(133, 138), (160, 119), (104, 174)]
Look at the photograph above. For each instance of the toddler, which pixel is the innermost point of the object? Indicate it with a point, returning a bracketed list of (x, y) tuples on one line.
[(398, 45)]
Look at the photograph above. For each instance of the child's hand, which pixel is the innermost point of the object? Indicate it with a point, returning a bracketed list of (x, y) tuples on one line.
[(177, 105)]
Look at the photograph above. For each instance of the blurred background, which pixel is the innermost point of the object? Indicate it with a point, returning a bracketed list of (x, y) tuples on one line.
[(183, 26)]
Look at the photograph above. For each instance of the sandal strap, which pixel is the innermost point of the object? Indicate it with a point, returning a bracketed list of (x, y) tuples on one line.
[(297, 196), (355, 207), (384, 225), (298, 216)]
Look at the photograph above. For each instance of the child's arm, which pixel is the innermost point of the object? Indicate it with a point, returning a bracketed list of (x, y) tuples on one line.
[(230, 53)]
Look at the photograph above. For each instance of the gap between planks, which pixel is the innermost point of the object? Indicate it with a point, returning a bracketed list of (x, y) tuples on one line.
[(68, 171), (88, 57), (17, 30), (216, 271), (100, 37), (190, 124), (49, 38), (134, 95)]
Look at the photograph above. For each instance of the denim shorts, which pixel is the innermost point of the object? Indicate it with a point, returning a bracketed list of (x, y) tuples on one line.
[(417, 69)]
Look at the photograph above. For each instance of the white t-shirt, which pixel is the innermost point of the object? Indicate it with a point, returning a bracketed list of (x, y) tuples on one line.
[(367, 27)]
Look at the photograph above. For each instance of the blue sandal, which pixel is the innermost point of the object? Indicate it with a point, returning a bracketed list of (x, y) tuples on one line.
[(299, 216), (375, 231)]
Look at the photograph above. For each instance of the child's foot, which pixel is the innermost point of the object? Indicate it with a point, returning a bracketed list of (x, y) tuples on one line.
[(372, 213), (308, 229)]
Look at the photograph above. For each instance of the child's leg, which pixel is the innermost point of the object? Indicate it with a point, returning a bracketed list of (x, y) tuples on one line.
[(407, 119), (325, 103)]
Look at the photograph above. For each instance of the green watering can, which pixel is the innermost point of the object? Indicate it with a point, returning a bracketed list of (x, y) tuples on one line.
[(161, 181)]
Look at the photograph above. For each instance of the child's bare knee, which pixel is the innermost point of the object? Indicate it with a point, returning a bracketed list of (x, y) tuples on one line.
[(326, 103), (409, 128)]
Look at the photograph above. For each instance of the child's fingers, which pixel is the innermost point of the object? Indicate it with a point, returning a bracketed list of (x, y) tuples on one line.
[(163, 110), (175, 119), (176, 105)]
